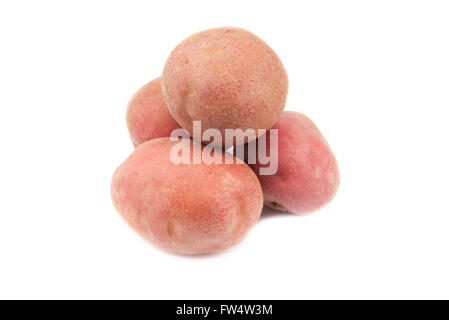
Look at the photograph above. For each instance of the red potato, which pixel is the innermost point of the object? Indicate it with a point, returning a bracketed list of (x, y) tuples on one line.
[(307, 177), (147, 115), (186, 208), (227, 78)]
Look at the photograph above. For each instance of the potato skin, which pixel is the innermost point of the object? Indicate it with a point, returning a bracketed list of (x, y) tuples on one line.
[(186, 208), (147, 115), (226, 77), (308, 175)]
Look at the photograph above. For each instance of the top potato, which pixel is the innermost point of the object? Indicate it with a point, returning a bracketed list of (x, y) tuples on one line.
[(227, 78)]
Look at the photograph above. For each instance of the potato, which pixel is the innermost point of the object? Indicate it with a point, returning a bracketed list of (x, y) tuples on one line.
[(227, 78), (147, 116), (307, 177), (186, 208)]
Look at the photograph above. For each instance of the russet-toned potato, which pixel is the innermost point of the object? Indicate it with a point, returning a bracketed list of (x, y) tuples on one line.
[(227, 78), (147, 116), (186, 208), (307, 177)]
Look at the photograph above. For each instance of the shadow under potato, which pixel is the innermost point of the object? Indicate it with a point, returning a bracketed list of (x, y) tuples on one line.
[(268, 212)]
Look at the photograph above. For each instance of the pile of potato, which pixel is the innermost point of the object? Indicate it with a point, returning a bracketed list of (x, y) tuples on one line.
[(227, 78)]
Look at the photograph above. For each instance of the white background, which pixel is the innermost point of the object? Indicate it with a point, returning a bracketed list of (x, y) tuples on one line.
[(373, 75)]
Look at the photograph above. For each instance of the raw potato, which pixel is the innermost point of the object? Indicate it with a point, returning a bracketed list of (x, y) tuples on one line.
[(147, 116), (226, 77), (308, 175), (186, 208)]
